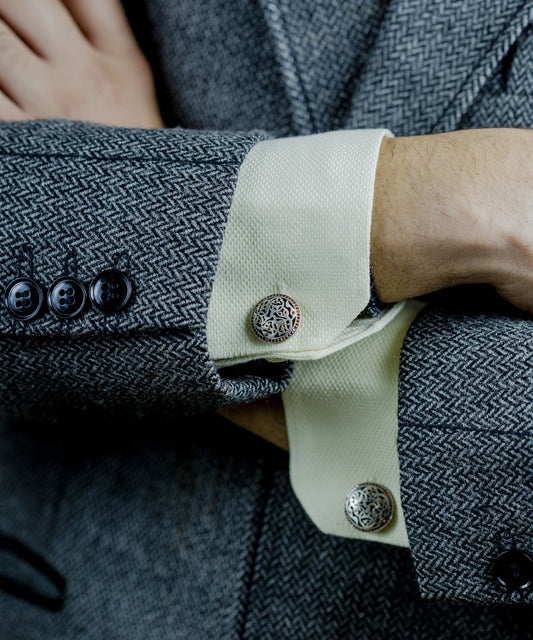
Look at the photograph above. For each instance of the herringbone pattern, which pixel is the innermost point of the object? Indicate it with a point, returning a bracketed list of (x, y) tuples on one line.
[(321, 48), (432, 59), (153, 203), (220, 555), (310, 586), (466, 448)]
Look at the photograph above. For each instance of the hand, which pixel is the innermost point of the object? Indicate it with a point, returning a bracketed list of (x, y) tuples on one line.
[(455, 208), (74, 59)]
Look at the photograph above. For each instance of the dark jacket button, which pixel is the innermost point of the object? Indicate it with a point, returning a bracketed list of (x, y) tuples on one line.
[(110, 291), (67, 297), (514, 570), (23, 298)]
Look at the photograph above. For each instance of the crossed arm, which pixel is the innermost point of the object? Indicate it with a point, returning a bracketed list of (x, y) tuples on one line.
[(449, 209)]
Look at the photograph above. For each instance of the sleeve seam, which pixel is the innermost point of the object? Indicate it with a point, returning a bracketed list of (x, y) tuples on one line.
[(144, 159), (443, 427)]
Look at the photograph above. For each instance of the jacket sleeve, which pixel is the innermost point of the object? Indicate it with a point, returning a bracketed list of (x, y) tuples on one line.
[(78, 199), (465, 445)]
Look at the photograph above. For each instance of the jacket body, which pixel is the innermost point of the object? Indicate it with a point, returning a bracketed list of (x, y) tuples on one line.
[(189, 531)]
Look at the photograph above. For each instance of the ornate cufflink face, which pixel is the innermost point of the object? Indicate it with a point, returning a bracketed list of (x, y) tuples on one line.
[(369, 507), (275, 318)]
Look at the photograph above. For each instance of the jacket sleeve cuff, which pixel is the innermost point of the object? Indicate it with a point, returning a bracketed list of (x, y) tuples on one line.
[(466, 455), (79, 199)]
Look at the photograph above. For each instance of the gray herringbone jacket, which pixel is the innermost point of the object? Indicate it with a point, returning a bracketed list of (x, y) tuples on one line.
[(163, 528)]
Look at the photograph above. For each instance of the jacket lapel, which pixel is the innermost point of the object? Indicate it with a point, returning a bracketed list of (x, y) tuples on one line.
[(321, 46), (431, 60), (423, 63)]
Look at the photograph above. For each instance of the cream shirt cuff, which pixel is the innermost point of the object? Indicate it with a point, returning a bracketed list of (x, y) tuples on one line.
[(299, 224), (341, 414)]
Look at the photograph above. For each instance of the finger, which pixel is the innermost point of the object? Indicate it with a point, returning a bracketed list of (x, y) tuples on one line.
[(104, 24), (45, 25), (9, 110), (21, 71)]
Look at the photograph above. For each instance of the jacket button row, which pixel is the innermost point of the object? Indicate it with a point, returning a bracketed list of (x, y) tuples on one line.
[(109, 292)]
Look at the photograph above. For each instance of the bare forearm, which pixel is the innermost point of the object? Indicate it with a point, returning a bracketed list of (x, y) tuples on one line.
[(455, 208)]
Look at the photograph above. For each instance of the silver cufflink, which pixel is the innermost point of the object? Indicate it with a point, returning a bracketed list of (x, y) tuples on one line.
[(369, 507), (275, 318)]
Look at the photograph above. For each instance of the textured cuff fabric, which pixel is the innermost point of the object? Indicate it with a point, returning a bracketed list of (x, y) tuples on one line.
[(341, 414), (466, 450), (77, 199), (299, 225)]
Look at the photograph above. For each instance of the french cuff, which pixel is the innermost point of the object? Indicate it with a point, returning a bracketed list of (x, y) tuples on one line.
[(341, 414), (299, 226)]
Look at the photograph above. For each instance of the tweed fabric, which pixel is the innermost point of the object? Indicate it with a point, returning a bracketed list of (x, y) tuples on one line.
[(414, 67), (505, 100), (153, 203), (432, 59), (464, 435), (431, 65), (198, 536), (214, 64), (466, 444), (89, 196), (309, 586), (155, 533), (320, 72)]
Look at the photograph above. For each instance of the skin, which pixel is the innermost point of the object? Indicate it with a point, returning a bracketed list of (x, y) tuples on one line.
[(449, 209), (73, 59)]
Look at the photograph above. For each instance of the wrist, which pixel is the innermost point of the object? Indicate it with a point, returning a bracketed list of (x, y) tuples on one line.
[(428, 231)]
